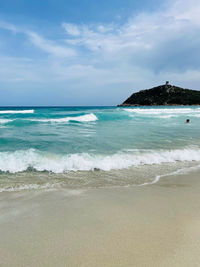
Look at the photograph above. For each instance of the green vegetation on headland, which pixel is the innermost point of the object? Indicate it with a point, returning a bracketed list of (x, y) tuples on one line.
[(163, 95)]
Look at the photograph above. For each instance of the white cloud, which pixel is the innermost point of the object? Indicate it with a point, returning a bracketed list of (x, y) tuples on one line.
[(145, 31), (9, 27), (49, 46), (71, 29), (186, 10)]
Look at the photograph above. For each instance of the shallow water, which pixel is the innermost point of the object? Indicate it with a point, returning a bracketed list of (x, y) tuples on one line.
[(43, 148)]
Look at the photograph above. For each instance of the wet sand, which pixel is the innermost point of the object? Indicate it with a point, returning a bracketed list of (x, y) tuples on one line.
[(154, 225)]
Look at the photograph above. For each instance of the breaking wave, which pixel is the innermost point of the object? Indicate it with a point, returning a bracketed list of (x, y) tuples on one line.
[(23, 160), (82, 118), (159, 111), (2, 121), (16, 111)]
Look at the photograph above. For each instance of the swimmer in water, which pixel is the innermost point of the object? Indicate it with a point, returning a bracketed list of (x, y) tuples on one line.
[(187, 121)]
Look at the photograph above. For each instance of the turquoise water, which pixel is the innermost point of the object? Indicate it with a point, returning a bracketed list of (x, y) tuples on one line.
[(76, 145)]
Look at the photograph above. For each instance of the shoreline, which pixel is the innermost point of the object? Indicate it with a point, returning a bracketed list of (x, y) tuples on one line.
[(153, 225)]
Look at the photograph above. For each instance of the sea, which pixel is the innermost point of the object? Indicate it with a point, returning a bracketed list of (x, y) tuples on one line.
[(50, 148)]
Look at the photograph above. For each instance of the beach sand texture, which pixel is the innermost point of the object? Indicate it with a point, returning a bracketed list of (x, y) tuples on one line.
[(154, 225)]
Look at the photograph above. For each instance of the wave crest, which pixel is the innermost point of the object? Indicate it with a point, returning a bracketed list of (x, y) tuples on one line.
[(82, 118), (17, 111), (160, 111), (19, 161), (2, 121)]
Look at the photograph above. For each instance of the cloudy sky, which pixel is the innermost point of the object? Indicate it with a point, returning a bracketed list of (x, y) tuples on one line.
[(86, 52)]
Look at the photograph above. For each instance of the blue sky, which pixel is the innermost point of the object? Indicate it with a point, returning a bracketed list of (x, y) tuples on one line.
[(84, 52)]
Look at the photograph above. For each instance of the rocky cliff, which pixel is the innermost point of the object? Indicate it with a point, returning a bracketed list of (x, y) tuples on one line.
[(163, 95)]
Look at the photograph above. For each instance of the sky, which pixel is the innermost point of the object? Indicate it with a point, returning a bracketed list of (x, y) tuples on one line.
[(87, 52)]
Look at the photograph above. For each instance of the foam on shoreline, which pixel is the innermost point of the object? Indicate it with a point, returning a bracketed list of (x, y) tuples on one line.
[(22, 160)]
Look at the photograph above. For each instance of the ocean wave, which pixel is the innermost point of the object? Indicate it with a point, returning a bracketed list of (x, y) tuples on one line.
[(2, 121), (195, 115), (23, 160), (16, 111), (159, 111), (162, 116), (82, 118), (167, 116)]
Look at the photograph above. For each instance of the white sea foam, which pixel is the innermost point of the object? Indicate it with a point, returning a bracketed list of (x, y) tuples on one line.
[(167, 116), (46, 186), (159, 111), (2, 121), (178, 172), (27, 187), (82, 118), (19, 161), (195, 115), (17, 111)]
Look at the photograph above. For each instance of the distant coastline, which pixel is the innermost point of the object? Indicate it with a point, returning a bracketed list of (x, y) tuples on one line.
[(167, 105), (163, 95)]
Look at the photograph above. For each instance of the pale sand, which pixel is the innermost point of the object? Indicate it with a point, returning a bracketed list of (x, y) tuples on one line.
[(156, 225)]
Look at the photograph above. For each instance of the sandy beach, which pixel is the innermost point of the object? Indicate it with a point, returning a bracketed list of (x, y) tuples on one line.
[(154, 225), (99, 133)]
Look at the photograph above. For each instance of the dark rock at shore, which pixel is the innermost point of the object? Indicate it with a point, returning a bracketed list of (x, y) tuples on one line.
[(163, 95)]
